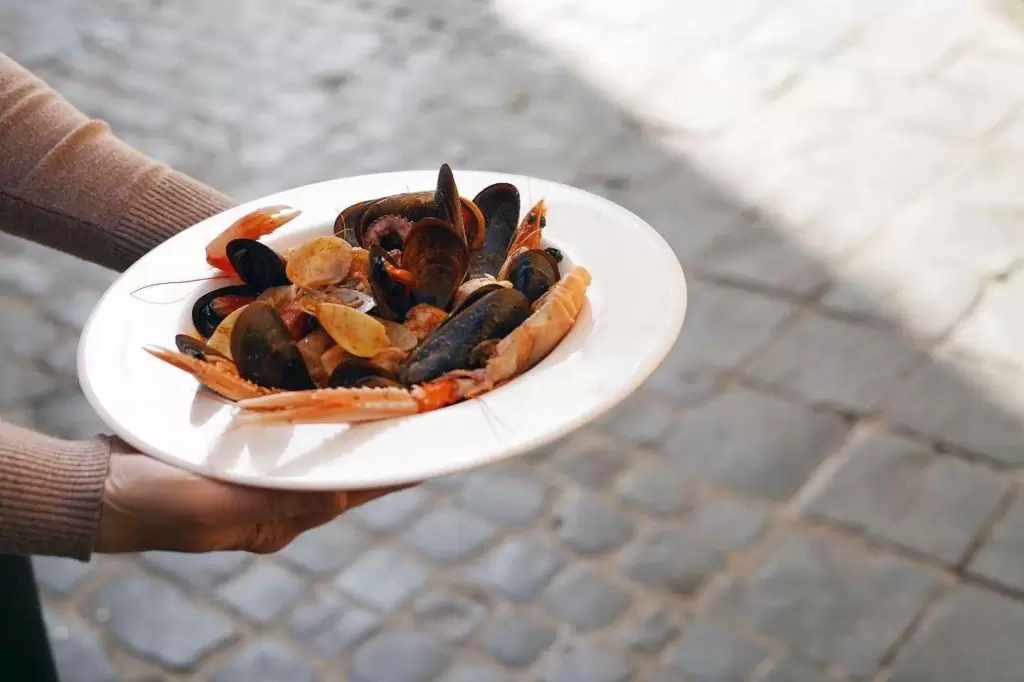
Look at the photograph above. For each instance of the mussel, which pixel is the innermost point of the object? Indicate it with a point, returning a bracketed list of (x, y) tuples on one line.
[(446, 199), (265, 352), (499, 204), (438, 259), (385, 221), (434, 263), (393, 297), (533, 272), (345, 223), (358, 372), (212, 307), (493, 316), (193, 347), (474, 290), (257, 264)]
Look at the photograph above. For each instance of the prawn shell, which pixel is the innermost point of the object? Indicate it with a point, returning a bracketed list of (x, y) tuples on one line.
[(493, 316)]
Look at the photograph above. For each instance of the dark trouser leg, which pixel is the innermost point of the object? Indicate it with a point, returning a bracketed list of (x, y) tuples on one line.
[(24, 647)]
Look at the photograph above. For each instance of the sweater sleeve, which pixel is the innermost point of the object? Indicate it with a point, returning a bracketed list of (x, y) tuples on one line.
[(68, 183), (50, 493)]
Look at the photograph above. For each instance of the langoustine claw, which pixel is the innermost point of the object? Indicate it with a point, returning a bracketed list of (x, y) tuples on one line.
[(252, 225)]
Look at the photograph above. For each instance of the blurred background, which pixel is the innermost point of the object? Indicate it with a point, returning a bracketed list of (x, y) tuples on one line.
[(820, 481)]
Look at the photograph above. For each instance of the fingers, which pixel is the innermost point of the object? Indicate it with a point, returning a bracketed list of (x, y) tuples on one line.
[(267, 506), (242, 505), (267, 538)]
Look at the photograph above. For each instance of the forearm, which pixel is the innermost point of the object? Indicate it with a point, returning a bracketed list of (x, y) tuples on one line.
[(67, 182), (50, 493)]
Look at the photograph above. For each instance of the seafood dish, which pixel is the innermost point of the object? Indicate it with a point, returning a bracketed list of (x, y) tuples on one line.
[(417, 301)]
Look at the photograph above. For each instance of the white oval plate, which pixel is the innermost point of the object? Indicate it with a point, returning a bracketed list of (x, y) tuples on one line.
[(635, 309)]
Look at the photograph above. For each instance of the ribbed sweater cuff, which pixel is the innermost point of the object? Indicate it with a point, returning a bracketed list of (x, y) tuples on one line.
[(164, 206), (50, 493)]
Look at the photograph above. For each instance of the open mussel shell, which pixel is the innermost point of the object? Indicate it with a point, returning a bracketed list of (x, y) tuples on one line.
[(409, 206), (360, 224), (393, 298), (345, 223), (479, 292), (493, 316), (212, 307), (438, 258), (533, 272), (264, 351), (358, 372), (499, 203), (449, 205), (193, 347), (257, 264)]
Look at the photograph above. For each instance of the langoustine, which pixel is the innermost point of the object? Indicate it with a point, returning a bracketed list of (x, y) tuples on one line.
[(418, 301)]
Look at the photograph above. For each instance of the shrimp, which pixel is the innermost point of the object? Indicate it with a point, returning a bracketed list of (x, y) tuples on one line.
[(252, 225), (554, 314)]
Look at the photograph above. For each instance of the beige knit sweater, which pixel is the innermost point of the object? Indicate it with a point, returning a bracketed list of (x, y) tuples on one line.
[(68, 183)]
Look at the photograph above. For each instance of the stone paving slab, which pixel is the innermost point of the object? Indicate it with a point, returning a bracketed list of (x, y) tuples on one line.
[(819, 483)]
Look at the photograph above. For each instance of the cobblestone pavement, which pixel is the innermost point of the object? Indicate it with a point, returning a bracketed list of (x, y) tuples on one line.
[(820, 483)]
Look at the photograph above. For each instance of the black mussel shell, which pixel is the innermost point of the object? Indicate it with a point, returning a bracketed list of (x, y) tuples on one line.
[(450, 346), (554, 253), (210, 310), (193, 347), (533, 273), (257, 264), (411, 206), (438, 258), (377, 382), (264, 351), (477, 294), (393, 298), (448, 202), (499, 204), (345, 223), (357, 372)]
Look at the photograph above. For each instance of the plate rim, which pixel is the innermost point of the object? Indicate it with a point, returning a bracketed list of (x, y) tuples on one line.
[(656, 356)]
